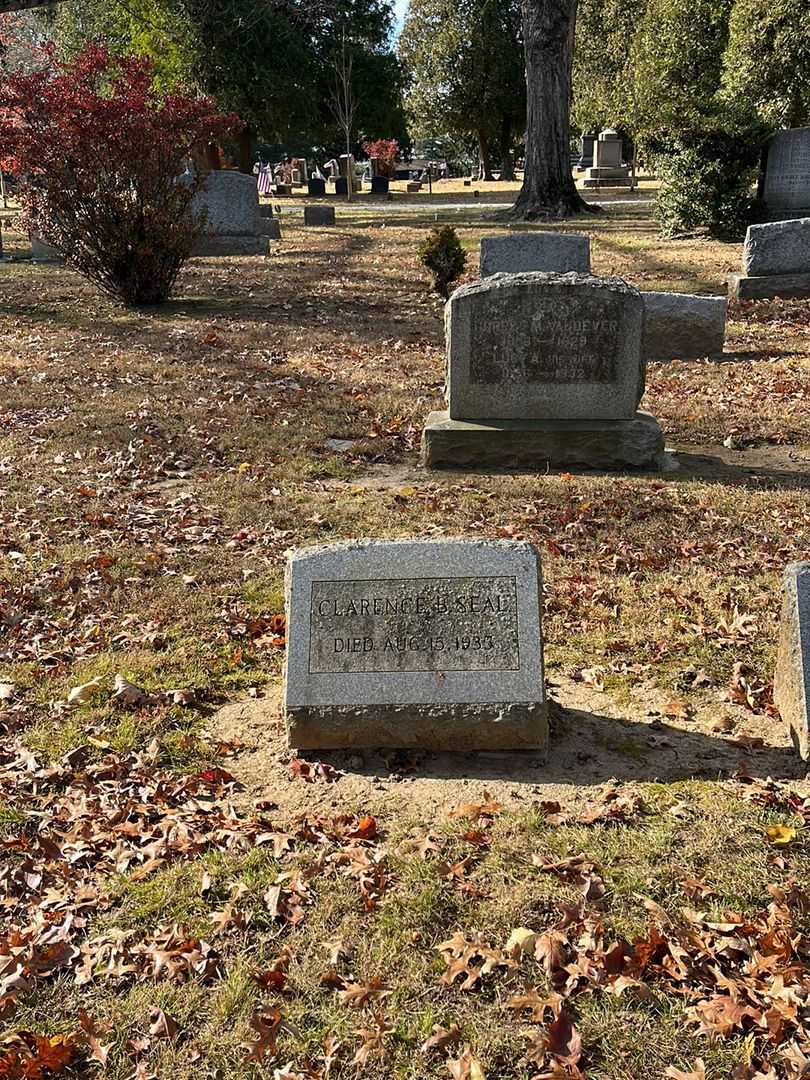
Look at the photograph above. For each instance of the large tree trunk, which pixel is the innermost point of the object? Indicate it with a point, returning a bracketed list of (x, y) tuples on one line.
[(484, 158), (548, 184), (507, 159)]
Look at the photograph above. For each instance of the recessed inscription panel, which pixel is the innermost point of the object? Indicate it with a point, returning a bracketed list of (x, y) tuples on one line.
[(787, 177), (560, 339), (414, 624)]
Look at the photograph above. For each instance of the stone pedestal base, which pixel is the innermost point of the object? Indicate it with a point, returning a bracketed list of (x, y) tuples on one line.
[(603, 176), (795, 286), (231, 245), (513, 726), (637, 443)]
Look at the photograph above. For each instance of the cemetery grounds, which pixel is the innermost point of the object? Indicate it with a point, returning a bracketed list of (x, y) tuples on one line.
[(183, 896)]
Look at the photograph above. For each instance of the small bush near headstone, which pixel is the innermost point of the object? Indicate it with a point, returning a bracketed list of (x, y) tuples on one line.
[(102, 152), (707, 181), (441, 252)]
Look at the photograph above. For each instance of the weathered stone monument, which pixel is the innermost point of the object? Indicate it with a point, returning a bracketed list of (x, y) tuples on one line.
[(319, 215), (608, 169), (586, 143), (435, 644), (792, 681), (784, 183), (776, 261), (544, 370), (233, 222), (523, 251), (678, 326)]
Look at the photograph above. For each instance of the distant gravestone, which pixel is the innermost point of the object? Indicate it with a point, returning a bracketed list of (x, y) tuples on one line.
[(776, 261), (316, 186), (271, 228), (792, 680), (678, 326), (523, 251), (319, 215), (586, 144), (233, 226), (42, 252), (784, 186), (608, 169), (434, 644), (380, 185), (544, 369)]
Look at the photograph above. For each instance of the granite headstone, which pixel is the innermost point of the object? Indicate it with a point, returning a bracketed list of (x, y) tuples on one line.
[(785, 182), (521, 252), (434, 644), (792, 681), (544, 369), (776, 261), (678, 326), (319, 215), (233, 224)]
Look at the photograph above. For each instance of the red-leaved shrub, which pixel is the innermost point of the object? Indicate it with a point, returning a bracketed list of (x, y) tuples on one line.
[(100, 154), (386, 151)]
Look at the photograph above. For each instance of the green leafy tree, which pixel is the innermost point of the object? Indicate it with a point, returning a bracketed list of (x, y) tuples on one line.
[(604, 80), (464, 61), (269, 60), (706, 145), (767, 61)]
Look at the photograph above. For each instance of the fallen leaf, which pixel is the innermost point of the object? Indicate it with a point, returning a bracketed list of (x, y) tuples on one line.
[(780, 835), (80, 695), (698, 1072)]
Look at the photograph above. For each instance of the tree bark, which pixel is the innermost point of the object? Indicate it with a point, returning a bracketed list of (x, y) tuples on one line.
[(507, 159), (548, 184), (246, 150), (484, 157)]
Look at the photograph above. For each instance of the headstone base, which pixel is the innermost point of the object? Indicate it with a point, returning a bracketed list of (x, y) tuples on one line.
[(421, 727), (637, 443), (604, 176), (789, 286), (233, 245)]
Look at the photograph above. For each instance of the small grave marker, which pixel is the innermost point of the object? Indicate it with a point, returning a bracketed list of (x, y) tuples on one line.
[(415, 643)]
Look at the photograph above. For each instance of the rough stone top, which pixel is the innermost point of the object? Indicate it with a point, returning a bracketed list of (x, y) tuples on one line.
[(523, 252), (777, 247), (545, 279), (407, 554)]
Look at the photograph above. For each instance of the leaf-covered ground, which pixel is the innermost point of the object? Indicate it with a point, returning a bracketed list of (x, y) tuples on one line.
[(162, 919)]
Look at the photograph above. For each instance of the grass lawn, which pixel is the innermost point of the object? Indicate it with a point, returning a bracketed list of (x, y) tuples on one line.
[(182, 898)]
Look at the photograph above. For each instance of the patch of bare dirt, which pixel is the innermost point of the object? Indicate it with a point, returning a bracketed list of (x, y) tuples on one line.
[(593, 742)]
